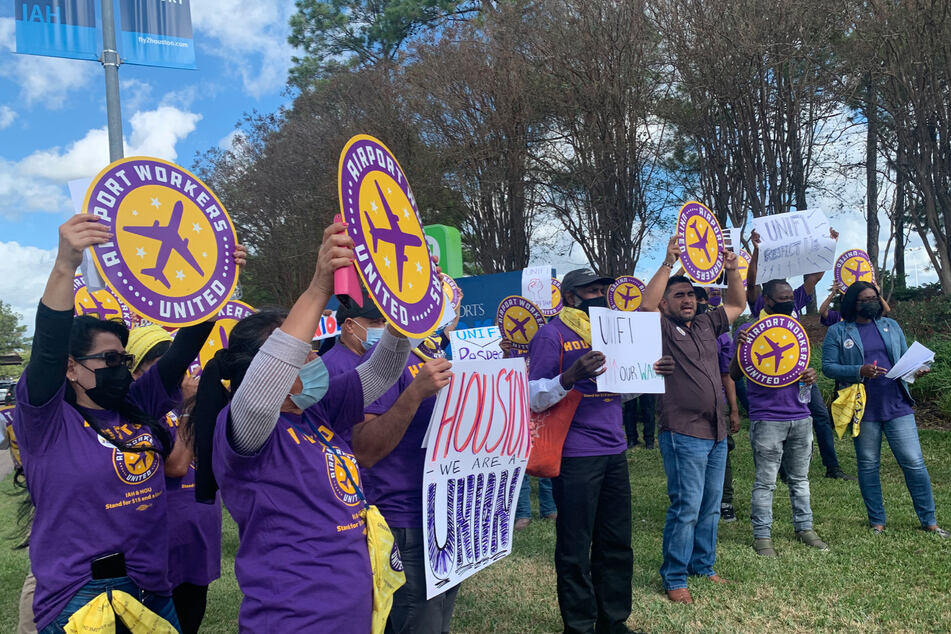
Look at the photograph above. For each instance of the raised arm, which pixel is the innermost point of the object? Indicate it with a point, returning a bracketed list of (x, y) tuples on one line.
[(826, 303), (47, 368), (256, 405), (752, 290), (733, 303), (654, 291)]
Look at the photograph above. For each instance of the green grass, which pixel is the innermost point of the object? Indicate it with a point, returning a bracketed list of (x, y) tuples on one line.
[(898, 582)]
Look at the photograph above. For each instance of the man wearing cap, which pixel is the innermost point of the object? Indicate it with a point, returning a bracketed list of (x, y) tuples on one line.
[(360, 328), (693, 423), (593, 556)]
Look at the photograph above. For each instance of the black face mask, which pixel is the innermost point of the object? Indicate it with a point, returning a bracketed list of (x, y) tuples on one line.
[(596, 302), (112, 386), (783, 308), (870, 310)]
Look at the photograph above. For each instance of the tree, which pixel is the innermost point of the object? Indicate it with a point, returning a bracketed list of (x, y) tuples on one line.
[(754, 89), (600, 167), (342, 34), (475, 99), (12, 338)]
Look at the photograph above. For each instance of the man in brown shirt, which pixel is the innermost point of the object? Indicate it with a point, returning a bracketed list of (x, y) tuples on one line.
[(693, 426)]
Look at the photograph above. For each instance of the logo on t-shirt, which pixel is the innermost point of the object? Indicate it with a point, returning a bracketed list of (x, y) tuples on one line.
[(339, 465), (135, 467)]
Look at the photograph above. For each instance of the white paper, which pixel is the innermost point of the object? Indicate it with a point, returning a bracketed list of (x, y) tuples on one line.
[(474, 464), (631, 343), (794, 243), (77, 192), (915, 358), (448, 314), (476, 344), (536, 285)]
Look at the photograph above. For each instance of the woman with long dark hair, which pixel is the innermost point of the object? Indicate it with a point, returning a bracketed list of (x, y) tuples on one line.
[(279, 450), (93, 449), (862, 348)]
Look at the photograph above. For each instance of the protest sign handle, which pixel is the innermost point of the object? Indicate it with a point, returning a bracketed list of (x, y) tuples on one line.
[(346, 284)]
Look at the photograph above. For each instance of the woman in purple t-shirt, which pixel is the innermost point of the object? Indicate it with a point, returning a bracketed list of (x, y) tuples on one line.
[(93, 449), (288, 476), (863, 347)]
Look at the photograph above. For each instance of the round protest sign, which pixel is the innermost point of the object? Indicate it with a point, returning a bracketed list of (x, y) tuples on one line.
[(519, 320), (430, 348), (392, 257), (101, 304), (743, 264), (6, 421), (626, 293), (853, 266), (777, 351), (229, 315), (453, 292), (171, 260), (555, 299), (701, 242)]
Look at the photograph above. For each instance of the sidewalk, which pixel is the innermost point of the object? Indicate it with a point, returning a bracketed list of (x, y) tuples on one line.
[(6, 464)]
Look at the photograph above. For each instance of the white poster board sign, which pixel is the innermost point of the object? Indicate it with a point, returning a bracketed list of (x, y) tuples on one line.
[(794, 243), (328, 327), (631, 343), (477, 447), (476, 344), (536, 285)]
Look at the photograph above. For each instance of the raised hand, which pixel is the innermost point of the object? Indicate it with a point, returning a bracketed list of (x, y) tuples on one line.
[(76, 235), (587, 367), (336, 252), (433, 376)]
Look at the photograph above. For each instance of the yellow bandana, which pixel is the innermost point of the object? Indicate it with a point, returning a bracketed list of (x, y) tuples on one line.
[(848, 407), (578, 321), (386, 579), (99, 616)]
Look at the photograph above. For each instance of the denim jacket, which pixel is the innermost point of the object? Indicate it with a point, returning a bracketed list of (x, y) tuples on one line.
[(843, 354)]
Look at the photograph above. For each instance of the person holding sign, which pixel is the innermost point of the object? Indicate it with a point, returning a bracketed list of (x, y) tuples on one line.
[(780, 425), (693, 425), (801, 297), (277, 447), (93, 450), (862, 348), (593, 556)]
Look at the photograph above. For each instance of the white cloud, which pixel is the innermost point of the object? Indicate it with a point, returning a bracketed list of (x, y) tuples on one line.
[(42, 80), (7, 115), (36, 183), (23, 274), (135, 94), (250, 37)]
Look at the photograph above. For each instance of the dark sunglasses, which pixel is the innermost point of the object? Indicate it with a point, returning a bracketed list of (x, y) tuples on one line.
[(112, 358)]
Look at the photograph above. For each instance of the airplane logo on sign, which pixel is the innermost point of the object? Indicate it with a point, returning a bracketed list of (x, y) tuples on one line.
[(399, 239), (170, 240)]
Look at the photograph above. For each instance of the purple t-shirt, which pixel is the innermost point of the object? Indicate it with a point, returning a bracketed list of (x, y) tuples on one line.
[(725, 352), (92, 499), (884, 398), (801, 299), (303, 564), (194, 529), (395, 483), (340, 359), (774, 403), (597, 428)]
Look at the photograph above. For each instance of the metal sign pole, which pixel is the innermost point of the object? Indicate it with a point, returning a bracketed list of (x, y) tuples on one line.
[(110, 63)]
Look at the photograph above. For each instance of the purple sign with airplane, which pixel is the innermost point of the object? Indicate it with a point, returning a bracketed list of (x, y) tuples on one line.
[(776, 352), (626, 293), (701, 242), (172, 258), (519, 321), (392, 257)]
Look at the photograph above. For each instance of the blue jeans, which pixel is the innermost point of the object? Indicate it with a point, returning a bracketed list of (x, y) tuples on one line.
[(158, 603), (546, 502), (694, 468), (774, 443), (822, 426), (902, 435)]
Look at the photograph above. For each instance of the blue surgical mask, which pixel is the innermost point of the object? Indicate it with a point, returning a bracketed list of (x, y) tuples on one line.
[(315, 380), (373, 335)]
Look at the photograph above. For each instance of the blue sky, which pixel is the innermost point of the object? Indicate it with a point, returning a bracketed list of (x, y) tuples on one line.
[(52, 130)]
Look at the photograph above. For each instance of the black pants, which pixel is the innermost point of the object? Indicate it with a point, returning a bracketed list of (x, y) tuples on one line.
[(728, 472), (593, 556), (190, 601), (639, 409), (412, 613)]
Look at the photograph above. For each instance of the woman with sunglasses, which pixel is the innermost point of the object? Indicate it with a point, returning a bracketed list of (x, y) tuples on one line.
[(280, 453), (93, 447), (862, 348)]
